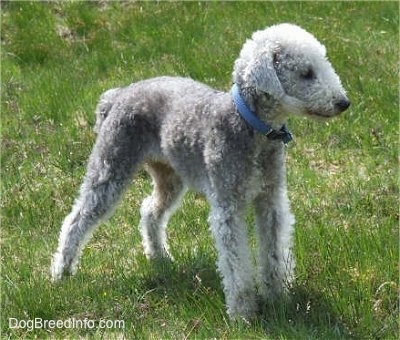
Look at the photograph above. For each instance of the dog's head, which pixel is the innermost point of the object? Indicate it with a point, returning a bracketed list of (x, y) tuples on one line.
[(288, 64)]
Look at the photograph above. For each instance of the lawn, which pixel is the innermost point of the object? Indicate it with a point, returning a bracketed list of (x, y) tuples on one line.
[(57, 58)]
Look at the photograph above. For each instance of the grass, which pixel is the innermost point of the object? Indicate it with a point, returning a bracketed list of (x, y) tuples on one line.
[(56, 59)]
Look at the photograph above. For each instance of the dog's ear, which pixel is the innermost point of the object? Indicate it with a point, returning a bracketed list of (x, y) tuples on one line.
[(263, 72)]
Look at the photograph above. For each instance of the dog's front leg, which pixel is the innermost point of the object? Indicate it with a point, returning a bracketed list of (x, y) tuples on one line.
[(274, 226), (234, 261)]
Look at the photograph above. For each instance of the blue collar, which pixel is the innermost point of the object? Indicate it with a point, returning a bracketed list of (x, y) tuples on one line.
[(282, 134)]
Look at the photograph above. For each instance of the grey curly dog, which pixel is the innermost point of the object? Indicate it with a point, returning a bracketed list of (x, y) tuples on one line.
[(229, 146)]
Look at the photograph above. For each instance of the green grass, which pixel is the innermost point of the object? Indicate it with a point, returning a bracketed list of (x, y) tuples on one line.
[(56, 58)]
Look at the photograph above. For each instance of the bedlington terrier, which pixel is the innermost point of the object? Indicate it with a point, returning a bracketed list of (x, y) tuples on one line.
[(227, 145)]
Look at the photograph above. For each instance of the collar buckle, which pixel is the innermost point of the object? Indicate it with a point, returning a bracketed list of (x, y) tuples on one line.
[(283, 134)]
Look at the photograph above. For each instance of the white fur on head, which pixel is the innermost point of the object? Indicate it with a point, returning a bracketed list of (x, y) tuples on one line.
[(274, 59), (258, 54), (261, 70)]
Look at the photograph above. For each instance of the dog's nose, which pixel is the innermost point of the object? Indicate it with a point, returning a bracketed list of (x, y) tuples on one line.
[(342, 105)]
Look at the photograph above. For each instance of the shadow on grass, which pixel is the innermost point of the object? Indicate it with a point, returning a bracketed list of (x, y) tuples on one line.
[(305, 311), (191, 289)]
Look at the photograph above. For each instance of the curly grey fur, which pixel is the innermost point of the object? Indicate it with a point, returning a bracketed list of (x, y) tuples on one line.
[(190, 135)]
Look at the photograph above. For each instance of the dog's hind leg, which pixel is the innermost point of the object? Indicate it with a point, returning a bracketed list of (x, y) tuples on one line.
[(158, 208), (114, 158)]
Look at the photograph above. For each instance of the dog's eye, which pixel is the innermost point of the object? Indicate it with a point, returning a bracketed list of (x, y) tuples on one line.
[(308, 75)]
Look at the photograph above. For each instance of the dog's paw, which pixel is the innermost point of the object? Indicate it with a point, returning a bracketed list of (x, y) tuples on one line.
[(160, 254), (244, 307), (59, 268)]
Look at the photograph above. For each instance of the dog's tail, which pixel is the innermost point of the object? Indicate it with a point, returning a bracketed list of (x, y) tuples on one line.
[(106, 102)]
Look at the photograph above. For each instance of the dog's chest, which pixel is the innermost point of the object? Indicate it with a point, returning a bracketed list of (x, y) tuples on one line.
[(268, 169)]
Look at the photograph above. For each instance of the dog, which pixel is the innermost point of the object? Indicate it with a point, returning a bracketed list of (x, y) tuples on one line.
[(228, 145)]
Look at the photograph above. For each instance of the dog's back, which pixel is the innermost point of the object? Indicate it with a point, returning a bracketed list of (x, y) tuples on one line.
[(193, 126)]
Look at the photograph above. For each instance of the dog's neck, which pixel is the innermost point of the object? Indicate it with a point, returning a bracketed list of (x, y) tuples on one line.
[(250, 116), (265, 106), (268, 108)]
